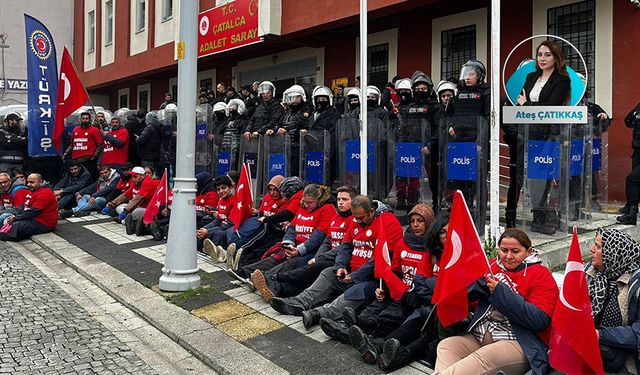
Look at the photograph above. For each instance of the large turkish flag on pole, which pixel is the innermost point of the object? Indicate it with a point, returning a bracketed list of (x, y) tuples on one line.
[(574, 347), (464, 262), (71, 96)]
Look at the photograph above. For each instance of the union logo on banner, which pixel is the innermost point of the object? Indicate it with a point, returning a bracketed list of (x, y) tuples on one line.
[(40, 44)]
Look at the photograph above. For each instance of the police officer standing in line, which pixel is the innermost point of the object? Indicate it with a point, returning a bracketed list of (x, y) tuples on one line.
[(445, 92), (323, 118), (630, 210), (267, 115), (13, 144), (295, 118)]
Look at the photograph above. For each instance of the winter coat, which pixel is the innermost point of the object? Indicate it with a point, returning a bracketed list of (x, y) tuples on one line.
[(266, 117), (632, 121), (13, 144), (104, 188), (325, 120), (150, 142), (134, 128), (296, 118), (72, 184)]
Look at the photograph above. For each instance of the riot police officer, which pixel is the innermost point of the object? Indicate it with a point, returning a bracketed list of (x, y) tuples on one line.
[(13, 144), (323, 119), (295, 118), (630, 210), (267, 115)]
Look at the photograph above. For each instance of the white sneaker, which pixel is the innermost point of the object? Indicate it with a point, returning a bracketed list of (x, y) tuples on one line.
[(222, 254), (231, 256), (236, 261), (210, 248)]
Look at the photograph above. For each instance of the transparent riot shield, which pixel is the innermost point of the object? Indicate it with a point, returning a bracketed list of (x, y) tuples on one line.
[(463, 164), (378, 165), (203, 160), (250, 153), (277, 153), (411, 162), (315, 151), (556, 168), (169, 120), (596, 187)]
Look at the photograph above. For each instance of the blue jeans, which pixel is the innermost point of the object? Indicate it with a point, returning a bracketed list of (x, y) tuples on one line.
[(246, 232), (83, 204), (4, 216)]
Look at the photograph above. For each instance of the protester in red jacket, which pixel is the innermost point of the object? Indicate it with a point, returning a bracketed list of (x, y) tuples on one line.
[(37, 215), (115, 153)]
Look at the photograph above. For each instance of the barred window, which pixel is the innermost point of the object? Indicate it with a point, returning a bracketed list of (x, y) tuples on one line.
[(378, 65), (576, 23), (458, 46)]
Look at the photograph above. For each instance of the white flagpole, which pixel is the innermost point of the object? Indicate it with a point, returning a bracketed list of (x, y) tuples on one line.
[(494, 208)]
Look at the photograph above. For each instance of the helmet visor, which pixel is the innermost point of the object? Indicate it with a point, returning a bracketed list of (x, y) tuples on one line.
[(264, 88), (469, 75)]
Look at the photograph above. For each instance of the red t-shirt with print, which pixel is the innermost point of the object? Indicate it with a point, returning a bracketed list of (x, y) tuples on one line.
[(44, 200), (270, 206), (85, 141), (305, 221), (364, 238), (338, 228), (224, 208)]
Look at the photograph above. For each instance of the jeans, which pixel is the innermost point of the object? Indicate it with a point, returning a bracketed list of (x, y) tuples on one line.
[(83, 204)]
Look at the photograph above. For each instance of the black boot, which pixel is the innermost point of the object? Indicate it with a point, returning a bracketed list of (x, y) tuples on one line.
[(156, 231), (510, 218), (337, 330), (629, 218), (624, 209), (363, 344), (141, 228), (310, 318), (393, 356), (130, 224)]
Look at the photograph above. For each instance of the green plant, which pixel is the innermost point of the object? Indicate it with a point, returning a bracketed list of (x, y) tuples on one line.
[(489, 246)]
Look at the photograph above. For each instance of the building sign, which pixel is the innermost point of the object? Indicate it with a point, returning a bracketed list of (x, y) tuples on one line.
[(544, 115), (227, 27), (13, 84)]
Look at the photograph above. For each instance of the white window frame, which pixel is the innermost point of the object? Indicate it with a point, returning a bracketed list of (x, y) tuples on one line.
[(141, 15), (389, 37), (142, 88), (603, 94), (167, 10), (124, 92), (108, 22), (91, 31), (477, 17)]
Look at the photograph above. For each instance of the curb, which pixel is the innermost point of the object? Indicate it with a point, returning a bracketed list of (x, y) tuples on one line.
[(211, 346)]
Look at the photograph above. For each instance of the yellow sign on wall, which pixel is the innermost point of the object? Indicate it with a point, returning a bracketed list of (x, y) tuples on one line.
[(180, 48), (344, 81)]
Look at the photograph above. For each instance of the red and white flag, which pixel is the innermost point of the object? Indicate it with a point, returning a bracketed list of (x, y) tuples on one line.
[(573, 346), (382, 266), (160, 198), (244, 198), (463, 262), (71, 96)]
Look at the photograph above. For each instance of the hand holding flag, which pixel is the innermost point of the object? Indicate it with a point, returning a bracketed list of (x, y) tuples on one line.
[(382, 266), (160, 198)]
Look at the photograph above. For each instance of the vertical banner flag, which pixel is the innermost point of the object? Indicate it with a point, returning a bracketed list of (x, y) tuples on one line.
[(573, 347), (464, 262), (244, 198), (71, 96), (42, 87)]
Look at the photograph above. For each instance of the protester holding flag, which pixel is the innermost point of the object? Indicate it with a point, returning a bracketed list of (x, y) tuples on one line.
[(613, 287), (510, 328), (214, 234)]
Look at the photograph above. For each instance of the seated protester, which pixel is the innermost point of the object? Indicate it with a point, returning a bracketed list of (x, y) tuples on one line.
[(509, 330), (95, 196), (134, 200), (12, 195), (37, 215), (122, 186), (273, 229), (272, 203), (65, 190), (613, 289), (288, 280), (304, 236), (410, 257), (159, 227), (206, 198), (352, 273), (214, 234), (405, 339), (115, 152)]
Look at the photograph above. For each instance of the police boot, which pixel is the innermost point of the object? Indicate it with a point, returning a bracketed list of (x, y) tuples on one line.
[(624, 209), (629, 218), (510, 218)]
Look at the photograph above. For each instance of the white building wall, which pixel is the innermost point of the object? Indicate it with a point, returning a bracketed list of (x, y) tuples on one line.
[(138, 39)]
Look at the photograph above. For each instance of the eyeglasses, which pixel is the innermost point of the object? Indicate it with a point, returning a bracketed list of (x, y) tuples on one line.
[(5, 182), (443, 233)]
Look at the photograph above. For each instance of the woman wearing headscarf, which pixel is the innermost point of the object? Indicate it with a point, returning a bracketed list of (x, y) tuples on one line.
[(613, 288)]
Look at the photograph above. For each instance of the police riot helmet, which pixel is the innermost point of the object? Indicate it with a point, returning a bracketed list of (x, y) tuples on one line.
[(403, 84), (374, 92), (420, 77), (220, 106), (292, 93), (171, 107), (446, 85), (266, 86), (322, 91), (474, 66), (236, 104), (354, 92)]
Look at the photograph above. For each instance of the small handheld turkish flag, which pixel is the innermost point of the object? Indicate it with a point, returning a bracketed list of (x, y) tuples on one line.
[(574, 347), (244, 198), (160, 198), (464, 262), (382, 266), (71, 96)]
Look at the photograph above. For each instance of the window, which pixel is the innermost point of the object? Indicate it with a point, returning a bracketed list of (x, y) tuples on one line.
[(206, 83), (143, 100), (167, 9), (108, 23), (458, 46), (92, 32), (378, 65), (141, 16), (124, 101), (576, 23), (174, 93)]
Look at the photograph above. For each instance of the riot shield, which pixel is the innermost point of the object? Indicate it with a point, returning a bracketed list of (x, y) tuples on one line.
[(411, 162), (464, 163), (204, 159), (315, 151), (169, 120), (596, 186), (250, 153), (277, 153), (378, 165)]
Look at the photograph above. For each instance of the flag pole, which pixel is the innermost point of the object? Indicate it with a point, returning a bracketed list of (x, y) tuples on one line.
[(476, 230), (166, 187)]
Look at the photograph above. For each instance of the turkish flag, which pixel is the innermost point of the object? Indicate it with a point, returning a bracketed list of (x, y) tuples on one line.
[(462, 263), (244, 199), (71, 96), (573, 346), (160, 198), (382, 266)]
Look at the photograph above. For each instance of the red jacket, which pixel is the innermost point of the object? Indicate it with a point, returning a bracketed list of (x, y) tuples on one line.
[(112, 154)]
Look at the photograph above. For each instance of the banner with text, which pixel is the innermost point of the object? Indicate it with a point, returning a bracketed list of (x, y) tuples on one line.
[(227, 27)]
